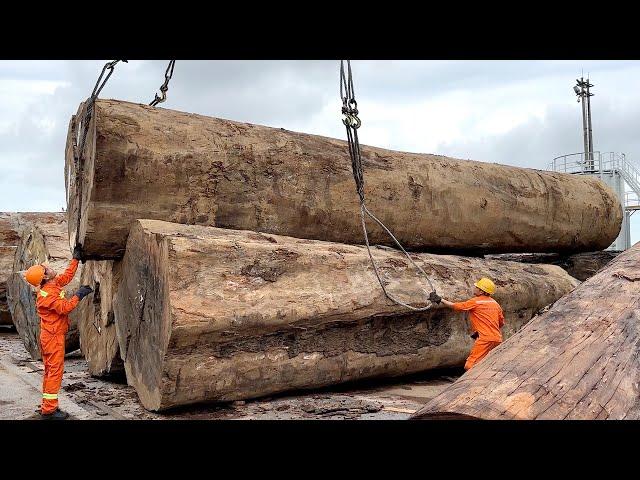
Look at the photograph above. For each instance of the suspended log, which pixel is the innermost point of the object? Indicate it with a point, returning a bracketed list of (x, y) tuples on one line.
[(145, 162), (6, 264), (44, 242), (96, 320), (208, 314), (578, 361), (10, 225), (580, 265)]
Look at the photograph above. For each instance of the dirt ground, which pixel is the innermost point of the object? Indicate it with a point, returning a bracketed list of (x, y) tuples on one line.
[(85, 397)]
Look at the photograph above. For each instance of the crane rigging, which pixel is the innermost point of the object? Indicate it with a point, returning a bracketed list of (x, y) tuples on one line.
[(351, 120), (352, 123)]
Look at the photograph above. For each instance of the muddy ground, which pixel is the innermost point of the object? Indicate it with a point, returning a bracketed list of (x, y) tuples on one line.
[(85, 397)]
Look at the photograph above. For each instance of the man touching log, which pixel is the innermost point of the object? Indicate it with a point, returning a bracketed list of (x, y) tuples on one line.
[(485, 315), (578, 360), (209, 314), (53, 310)]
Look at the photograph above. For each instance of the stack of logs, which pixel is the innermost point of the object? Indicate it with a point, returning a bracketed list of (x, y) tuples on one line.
[(37, 238), (227, 264)]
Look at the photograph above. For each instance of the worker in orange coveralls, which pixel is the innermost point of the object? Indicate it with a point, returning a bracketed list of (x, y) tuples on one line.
[(486, 319), (54, 310)]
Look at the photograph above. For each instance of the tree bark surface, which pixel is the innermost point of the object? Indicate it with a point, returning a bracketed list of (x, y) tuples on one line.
[(580, 360), (209, 314), (146, 162)]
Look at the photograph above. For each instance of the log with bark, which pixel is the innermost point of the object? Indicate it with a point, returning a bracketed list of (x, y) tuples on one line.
[(209, 314), (145, 162), (10, 225), (42, 242), (580, 360), (580, 265), (96, 321)]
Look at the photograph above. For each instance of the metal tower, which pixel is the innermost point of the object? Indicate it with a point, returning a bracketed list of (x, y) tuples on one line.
[(611, 167)]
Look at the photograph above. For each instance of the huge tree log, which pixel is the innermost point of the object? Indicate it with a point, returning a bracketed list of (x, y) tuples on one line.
[(579, 360), (208, 314), (580, 265), (145, 162), (10, 225), (44, 242), (96, 321)]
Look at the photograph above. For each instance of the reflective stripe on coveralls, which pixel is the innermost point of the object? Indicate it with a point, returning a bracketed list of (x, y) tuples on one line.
[(54, 310)]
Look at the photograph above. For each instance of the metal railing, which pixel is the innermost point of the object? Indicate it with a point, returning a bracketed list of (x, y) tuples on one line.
[(631, 201), (599, 163)]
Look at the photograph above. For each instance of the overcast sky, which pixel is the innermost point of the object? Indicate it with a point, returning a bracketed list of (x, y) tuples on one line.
[(520, 113)]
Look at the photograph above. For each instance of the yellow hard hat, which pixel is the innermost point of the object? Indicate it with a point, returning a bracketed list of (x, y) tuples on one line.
[(486, 285)]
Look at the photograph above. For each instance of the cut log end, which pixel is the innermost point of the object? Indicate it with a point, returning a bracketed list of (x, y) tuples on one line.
[(96, 319), (576, 361), (6, 265)]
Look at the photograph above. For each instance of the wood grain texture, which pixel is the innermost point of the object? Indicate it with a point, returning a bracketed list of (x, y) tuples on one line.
[(10, 225), (209, 314), (96, 320), (6, 264), (578, 360), (40, 242), (146, 162)]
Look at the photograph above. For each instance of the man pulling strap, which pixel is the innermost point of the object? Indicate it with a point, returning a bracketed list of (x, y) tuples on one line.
[(485, 315)]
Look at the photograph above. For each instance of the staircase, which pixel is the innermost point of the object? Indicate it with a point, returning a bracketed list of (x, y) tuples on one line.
[(601, 164), (616, 171)]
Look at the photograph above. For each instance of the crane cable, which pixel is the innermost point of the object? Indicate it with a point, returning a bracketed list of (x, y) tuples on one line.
[(352, 123), (88, 113), (165, 86)]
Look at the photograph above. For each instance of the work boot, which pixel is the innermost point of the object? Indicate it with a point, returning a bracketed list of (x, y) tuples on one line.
[(57, 415)]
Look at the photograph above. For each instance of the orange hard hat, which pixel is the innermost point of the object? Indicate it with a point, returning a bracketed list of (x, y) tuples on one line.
[(34, 275)]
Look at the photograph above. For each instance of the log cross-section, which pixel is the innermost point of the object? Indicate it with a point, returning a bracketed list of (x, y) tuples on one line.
[(96, 318), (11, 225)]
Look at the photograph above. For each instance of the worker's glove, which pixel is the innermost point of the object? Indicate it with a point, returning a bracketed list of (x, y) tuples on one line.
[(78, 253), (83, 291), (434, 297)]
